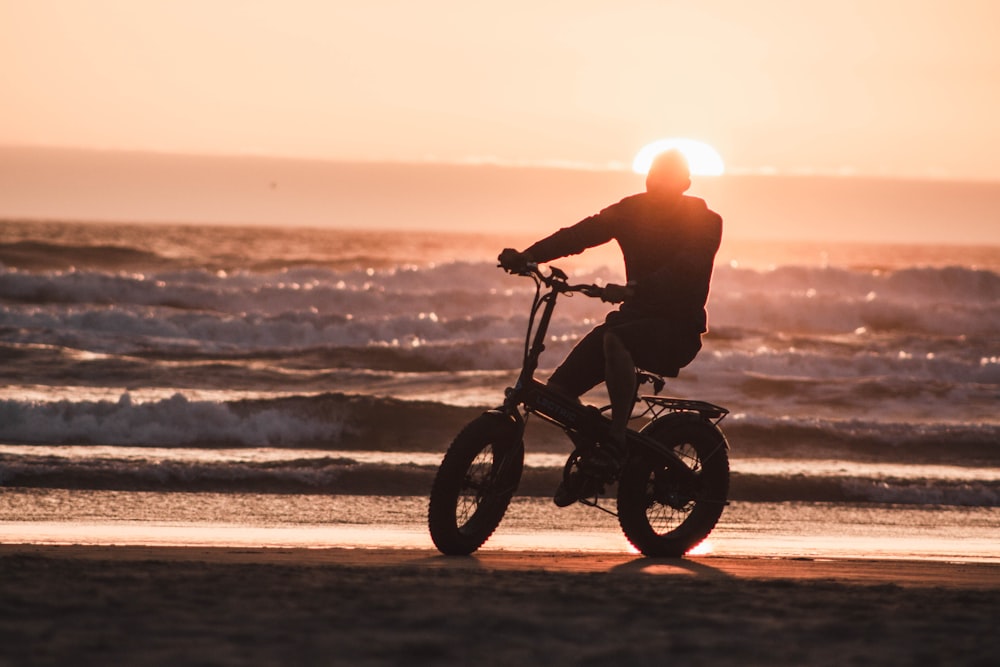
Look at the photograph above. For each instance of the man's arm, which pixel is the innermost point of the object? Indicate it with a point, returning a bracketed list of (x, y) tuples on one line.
[(587, 233)]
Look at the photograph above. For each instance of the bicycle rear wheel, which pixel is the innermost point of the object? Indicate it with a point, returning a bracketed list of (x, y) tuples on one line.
[(661, 513), (474, 484)]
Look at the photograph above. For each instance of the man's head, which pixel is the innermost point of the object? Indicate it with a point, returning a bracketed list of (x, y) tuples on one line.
[(669, 174)]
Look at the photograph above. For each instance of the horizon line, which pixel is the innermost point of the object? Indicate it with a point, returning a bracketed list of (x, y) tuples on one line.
[(561, 164)]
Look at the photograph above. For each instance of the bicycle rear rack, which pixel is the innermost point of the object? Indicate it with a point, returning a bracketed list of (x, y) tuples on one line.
[(657, 405)]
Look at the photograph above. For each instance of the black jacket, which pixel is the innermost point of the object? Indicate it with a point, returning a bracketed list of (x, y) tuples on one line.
[(669, 247)]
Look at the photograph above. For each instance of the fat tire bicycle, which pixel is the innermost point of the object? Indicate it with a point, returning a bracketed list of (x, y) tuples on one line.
[(672, 475)]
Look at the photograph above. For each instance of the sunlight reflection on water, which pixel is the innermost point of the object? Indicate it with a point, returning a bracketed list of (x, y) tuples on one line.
[(724, 541), (810, 530)]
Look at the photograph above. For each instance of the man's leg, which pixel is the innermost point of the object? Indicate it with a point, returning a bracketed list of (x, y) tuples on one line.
[(619, 377), (583, 368)]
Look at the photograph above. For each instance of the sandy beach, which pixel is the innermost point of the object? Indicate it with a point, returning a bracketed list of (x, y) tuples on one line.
[(189, 605)]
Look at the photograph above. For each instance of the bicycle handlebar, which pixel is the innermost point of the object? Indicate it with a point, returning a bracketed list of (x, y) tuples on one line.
[(558, 280)]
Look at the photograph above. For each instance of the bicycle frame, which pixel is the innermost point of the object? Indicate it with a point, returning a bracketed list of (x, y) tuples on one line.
[(568, 413)]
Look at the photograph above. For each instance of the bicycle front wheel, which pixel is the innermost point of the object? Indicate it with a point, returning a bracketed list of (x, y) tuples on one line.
[(474, 485), (663, 514)]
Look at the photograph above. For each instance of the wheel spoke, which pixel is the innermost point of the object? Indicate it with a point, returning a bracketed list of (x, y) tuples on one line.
[(475, 486)]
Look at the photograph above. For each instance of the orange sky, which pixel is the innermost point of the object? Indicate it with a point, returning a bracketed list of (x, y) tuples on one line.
[(876, 87)]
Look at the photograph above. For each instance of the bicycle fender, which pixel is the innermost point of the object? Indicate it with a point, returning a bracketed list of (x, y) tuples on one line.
[(514, 417), (675, 419)]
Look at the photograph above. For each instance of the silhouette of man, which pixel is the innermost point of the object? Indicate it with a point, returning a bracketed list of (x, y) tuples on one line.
[(668, 241)]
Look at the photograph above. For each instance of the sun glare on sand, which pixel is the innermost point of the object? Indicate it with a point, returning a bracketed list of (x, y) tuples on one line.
[(703, 160)]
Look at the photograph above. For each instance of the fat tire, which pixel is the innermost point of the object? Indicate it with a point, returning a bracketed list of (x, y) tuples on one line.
[(474, 484), (661, 516)]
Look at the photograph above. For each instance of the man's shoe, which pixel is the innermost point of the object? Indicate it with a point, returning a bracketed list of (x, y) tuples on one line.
[(576, 486), (582, 479), (569, 489)]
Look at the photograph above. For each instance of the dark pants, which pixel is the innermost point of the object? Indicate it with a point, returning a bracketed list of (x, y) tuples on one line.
[(656, 345)]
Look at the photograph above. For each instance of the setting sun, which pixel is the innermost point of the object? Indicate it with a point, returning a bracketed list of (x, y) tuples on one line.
[(703, 160)]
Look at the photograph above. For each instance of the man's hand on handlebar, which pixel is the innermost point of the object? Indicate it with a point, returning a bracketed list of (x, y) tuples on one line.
[(513, 261), (616, 293)]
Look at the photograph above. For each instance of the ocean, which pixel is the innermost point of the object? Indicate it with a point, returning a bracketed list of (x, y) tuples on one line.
[(275, 377)]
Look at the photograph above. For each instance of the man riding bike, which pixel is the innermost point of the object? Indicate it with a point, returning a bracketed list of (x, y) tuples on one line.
[(669, 241)]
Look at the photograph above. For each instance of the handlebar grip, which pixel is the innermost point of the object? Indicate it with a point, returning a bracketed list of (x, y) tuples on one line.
[(616, 293), (528, 269)]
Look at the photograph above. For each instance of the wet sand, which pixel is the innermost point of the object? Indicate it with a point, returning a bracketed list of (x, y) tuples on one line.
[(202, 605)]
